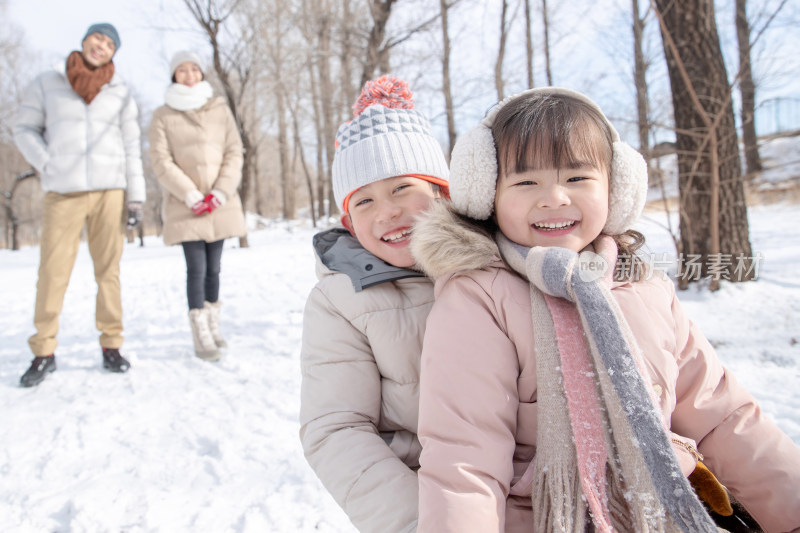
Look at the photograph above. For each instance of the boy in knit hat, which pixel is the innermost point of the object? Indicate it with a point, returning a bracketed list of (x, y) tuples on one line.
[(365, 319)]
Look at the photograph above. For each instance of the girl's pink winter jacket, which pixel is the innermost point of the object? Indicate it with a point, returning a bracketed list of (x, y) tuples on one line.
[(478, 411)]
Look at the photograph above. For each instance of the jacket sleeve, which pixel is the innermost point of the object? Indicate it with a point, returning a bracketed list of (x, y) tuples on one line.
[(167, 172), (29, 126), (468, 413), (747, 452), (339, 411), (230, 173), (131, 138)]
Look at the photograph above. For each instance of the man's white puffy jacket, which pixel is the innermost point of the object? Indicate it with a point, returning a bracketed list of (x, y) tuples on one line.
[(78, 147)]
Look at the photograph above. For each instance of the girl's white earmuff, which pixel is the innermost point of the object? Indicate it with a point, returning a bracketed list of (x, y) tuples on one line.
[(473, 170)]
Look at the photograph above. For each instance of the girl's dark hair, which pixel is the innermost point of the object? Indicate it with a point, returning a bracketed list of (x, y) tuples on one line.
[(540, 131)]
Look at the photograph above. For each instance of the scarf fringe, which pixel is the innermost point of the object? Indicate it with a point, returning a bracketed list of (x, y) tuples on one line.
[(563, 514)]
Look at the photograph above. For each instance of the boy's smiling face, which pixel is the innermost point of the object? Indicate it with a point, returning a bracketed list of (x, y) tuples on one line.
[(382, 213)]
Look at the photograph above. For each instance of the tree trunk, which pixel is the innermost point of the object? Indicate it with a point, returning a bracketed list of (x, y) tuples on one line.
[(713, 215), (501, 52), (748, 91), (287, 178), (376, 53), (546, 26), (529, 43), (448, 96), (349, 91), (11, 215), (328, 121), (300, 154), (640, 82)]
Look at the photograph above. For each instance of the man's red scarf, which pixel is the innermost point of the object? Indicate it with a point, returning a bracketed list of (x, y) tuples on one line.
[(85, 79)]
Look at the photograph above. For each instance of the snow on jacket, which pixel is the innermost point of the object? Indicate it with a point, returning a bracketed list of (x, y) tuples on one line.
[(198, 149), (362, 338), (478, 410), (77, 147)]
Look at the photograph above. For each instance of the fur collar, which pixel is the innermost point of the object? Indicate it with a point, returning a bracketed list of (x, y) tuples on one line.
[(446, 243)]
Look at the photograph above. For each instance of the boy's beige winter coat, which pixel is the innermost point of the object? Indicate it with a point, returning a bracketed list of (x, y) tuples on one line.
[(360, 392), (198, 149), (478, 410)]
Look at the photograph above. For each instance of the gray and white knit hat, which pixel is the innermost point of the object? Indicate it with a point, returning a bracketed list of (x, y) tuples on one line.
[(473, 169), (183, 56), (387, 138)]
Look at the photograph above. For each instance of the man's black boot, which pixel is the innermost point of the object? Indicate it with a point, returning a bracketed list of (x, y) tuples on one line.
[(113, 361), (40, 367)]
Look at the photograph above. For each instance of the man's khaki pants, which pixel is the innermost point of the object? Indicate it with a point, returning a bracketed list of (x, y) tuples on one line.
[(63, 220)]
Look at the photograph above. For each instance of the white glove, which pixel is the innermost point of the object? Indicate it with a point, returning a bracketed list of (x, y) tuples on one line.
[(192, 197)]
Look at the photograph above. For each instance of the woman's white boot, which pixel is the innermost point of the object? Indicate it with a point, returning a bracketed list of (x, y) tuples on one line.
[(213, 323), (204, 346)]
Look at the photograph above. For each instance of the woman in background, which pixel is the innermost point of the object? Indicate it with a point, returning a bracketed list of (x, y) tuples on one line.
[(196, 152)]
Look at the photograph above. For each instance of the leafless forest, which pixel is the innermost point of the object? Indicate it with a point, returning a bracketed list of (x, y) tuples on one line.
[(684, 78)]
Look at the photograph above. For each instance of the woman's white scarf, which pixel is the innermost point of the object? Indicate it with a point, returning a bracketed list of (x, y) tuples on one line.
[(184, 98)]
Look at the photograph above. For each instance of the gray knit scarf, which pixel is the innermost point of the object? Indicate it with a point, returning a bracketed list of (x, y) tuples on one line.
[(602, 451)]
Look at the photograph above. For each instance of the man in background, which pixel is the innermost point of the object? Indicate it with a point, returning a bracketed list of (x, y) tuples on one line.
[(78, 128)]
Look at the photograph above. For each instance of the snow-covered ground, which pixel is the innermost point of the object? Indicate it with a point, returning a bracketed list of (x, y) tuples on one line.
[(178, 444)]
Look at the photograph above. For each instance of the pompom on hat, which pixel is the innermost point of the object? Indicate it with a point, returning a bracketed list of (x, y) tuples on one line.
[(387, 138), (183, 56), (474, 170), (106, 29)]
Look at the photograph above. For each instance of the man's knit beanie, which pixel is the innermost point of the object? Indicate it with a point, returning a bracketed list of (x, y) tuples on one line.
[(387, 138), (106, 29)]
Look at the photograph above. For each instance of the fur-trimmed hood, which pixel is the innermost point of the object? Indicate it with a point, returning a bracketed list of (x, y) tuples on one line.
[(445, 242)]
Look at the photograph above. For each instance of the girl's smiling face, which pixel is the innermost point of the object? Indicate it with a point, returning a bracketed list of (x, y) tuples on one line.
[(554, 157), (565, 207)]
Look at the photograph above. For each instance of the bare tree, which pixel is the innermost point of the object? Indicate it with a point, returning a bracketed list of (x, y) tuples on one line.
[(317, 31), (748, 91), (448, 95), (20, 217), (501, 52), (713, 214), (546, 29), (11, 213), (273, 31), (640, 82), (528, 43), (377, 54), (233, 68)]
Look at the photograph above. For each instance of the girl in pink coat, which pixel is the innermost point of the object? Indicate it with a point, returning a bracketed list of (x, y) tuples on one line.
[(562, 386)]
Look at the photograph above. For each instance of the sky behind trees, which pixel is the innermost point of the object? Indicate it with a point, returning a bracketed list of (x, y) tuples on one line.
[(590, 47)]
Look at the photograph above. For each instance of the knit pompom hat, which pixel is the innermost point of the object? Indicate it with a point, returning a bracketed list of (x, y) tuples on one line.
[(387, 138), (183, 56), (106, 29), (473, 170)]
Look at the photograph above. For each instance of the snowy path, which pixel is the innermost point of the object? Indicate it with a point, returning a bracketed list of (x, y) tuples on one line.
[(177, 444)]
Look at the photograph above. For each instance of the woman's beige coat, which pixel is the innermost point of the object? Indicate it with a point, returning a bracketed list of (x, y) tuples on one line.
[(360, 389), (478, 393), (198, 149)]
